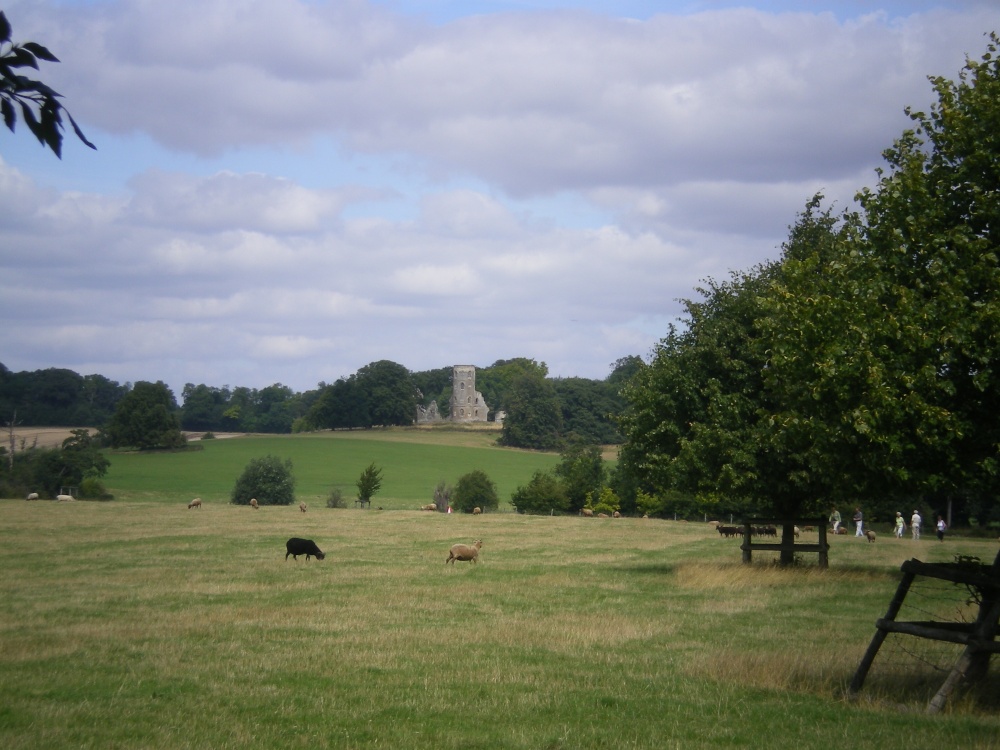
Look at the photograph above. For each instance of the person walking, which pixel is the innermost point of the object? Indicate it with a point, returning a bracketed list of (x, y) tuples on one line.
[(915, 521), (858, 522), (941, 526), (900, 525), (835, 520)]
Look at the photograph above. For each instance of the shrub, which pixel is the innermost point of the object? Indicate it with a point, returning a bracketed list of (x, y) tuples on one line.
[(369, 483), (336, 499), (543, 494), (475, 490), (91, 488), (268, 479)]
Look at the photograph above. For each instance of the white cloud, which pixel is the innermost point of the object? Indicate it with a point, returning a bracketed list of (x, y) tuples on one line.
[(540, 184)]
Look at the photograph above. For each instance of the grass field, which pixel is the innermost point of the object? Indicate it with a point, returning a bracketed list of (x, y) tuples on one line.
[(139, 624), (413, 463)]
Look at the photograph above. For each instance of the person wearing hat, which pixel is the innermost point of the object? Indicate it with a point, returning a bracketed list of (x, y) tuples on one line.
[(900, 525), (915, 520)]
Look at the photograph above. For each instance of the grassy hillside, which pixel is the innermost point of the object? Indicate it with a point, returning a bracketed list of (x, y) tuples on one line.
[(413, 461), (142, 624)]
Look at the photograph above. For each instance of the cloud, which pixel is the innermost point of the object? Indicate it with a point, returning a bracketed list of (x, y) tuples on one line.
[(337, 183)]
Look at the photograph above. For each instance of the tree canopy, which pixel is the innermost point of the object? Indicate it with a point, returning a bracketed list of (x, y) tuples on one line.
[(864, 363), (146, 418)]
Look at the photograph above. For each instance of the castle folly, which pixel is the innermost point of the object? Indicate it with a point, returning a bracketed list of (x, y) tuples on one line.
[(467, 404)]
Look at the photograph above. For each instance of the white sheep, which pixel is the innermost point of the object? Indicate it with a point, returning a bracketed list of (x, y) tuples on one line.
[(870, 535), (302, 507), (253, 503), (65, 498), (32, 496), (587, 513), (476, 511), (429, 506), (196, 503), (464, 552)]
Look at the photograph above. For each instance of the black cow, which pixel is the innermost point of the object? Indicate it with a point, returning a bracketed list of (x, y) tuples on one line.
[(307, 547)]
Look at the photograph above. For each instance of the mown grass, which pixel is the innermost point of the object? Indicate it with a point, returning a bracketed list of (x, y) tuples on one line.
[(142, 624), (413, 463)]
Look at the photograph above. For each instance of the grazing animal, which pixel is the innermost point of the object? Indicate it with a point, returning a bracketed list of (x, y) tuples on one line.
[(587, 513), (476, 511), (196, 503), (796, 530), (616, 514), (429, 506), (253, 503), (65, 498), (841, 530), (871, 535), (307, 547), (32, 496), (302, 507), (464, 552)]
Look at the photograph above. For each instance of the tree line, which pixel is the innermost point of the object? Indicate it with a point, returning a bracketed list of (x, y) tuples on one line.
[(543, 412), (859, 369)]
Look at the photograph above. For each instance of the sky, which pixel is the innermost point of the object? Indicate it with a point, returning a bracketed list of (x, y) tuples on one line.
[(284, 191)]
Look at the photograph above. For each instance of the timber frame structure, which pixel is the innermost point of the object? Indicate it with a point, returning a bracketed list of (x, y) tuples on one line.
[(978, 637), (787, 543)]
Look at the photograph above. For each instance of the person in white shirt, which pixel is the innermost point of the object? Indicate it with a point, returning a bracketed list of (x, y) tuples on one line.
[(915, 520)]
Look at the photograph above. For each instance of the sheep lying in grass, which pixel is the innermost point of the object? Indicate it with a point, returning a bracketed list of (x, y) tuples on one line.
[(429, 506), (870, 535), (65, 498), (253, 503), (464, 552), (196, 503)]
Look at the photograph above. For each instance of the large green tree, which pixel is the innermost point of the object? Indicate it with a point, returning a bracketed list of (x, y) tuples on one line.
[(146, 418), (864, 365)]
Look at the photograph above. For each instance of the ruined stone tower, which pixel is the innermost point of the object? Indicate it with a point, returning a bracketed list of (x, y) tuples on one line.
[(467, 404)]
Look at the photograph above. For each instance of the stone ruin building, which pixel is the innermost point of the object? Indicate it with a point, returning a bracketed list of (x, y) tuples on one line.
[(467, 404)]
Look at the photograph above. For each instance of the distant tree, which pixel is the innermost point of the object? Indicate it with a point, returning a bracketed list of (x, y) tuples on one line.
[(38, 103), (624, 369), (544, 493), (342, 405), (534, 419), (589, 409), (582, 472), (369, 483), (389, 393), (268, 479), (203, 407), (146, 418), (495, 381), (475, 490)]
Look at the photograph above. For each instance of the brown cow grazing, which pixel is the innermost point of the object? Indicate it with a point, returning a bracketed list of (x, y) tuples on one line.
[(307, 547), (464, 552)]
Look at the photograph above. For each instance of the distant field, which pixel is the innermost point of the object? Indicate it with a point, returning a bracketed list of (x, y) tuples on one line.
[(413, 461), (145, 625)]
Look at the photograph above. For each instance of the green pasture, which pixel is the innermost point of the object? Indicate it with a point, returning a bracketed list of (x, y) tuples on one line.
[(138, 624), (413, 462)]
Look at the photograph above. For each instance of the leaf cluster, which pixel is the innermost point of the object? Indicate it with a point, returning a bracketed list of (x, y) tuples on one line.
[(37, 103)]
